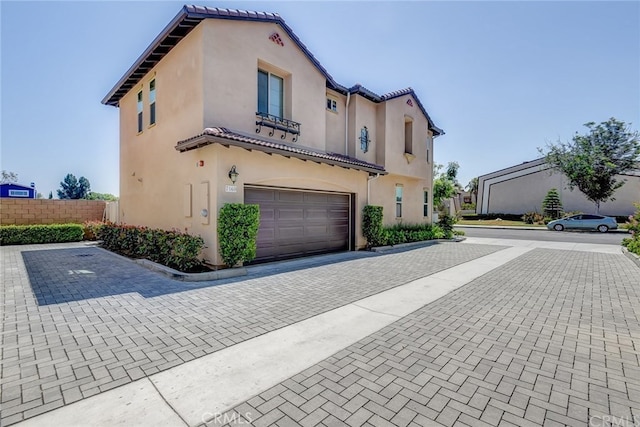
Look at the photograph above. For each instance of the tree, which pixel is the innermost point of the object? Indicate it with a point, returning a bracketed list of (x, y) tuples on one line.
[(591, 162), (8, 176), (445, 184), (472, 188), (50, 195), (72, 188), (101, 196), (551, 205)]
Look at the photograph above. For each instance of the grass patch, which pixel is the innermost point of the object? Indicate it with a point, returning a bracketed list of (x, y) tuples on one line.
[(504, 222)]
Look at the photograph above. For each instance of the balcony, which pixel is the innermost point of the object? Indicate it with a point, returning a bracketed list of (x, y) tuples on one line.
[(275, 123)]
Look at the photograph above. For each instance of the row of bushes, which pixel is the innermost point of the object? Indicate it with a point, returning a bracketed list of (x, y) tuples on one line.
[(35, 234), (633, 225), (378, 235), (237, 231), (173, 248)]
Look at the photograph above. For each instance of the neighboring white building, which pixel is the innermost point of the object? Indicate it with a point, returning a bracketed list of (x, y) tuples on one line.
[(521, 188)]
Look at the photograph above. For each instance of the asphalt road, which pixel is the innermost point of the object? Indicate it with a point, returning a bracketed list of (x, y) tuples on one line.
[(611, 238)]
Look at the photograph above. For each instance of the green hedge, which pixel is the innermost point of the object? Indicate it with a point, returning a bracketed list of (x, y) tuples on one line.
[(378, 235), (407, 233), (32, 234), (633, 225), (372, 228), (237, 232), (171, 248)]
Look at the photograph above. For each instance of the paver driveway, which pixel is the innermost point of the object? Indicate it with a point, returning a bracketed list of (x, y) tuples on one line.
[(81, 321), (551, 338)]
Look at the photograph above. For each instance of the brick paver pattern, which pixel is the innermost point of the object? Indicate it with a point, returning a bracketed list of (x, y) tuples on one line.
[(120, 322), (551, 338)]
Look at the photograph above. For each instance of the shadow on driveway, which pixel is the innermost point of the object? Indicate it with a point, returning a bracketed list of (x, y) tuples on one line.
[(65, 275)]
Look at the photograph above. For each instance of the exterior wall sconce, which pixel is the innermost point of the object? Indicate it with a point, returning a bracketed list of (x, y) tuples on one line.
[(233, 174)]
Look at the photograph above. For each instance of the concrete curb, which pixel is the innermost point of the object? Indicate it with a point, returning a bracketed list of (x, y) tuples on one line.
[(192, 277), (425, 243), (633, 257)]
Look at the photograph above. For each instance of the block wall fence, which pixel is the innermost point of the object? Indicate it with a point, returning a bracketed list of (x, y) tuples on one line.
[(46, 211)]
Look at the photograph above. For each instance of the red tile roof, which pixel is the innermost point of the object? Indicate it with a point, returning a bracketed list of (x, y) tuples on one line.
[(225, 136)]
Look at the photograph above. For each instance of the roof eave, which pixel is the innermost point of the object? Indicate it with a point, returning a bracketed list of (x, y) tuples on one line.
[(205, 139), (154, 45)]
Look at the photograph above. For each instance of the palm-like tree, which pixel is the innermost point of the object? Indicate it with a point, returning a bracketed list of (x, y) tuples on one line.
[(472, 187)]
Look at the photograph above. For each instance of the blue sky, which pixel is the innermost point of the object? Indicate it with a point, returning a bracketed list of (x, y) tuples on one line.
[(501, 78)]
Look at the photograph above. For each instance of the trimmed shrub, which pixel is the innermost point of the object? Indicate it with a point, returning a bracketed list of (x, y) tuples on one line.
[(91, 229), (533, 218), (633, 225), (407, 233), (171, 248), (237, 231), (33, 234), (372, 225)]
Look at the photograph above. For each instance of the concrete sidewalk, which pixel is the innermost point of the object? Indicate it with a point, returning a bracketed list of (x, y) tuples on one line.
[(199, 391)]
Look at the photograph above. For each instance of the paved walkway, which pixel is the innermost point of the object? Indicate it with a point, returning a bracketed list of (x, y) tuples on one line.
[(79, 321), (539, 335)]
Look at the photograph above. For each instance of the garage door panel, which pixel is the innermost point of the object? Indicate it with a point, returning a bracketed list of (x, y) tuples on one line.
[(298, 223), (289, 196), (290, 214), (259, 195)]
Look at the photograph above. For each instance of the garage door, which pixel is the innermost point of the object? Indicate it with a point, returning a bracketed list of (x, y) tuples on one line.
[(299, 223)]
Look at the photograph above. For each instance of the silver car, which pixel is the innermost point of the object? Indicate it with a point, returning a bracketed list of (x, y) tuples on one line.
[(584, 222)]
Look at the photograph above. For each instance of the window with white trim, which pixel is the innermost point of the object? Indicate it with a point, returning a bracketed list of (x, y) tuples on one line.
[(425, 204), (270, 94), (152, 102), (399, 190), (140, 106), (408, 135), (332, 105), (19, 193)]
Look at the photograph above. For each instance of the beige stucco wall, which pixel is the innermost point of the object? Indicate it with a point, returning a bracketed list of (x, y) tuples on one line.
[(233, 52), (259, 169), (383, 193), (335, 124), (151, 171)]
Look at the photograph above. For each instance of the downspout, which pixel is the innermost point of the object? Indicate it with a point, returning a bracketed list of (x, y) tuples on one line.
[(369, 185), (346, 126)]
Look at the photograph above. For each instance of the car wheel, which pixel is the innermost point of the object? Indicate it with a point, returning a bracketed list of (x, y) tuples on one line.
[(558, 227), (603, 228)]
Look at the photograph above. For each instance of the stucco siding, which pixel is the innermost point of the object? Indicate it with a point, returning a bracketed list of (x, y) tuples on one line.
[(233, 53), (150, 167)]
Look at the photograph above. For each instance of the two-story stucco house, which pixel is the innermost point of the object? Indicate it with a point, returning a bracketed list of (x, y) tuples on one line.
[(229, 106)]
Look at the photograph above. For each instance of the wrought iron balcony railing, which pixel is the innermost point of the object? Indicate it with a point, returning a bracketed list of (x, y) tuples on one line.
[(276, 123)]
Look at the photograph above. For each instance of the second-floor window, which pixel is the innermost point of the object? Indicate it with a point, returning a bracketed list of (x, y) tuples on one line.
[(152, 102), (332, 105), (270, 94), (140, 122), (408, 135), (399, 201)]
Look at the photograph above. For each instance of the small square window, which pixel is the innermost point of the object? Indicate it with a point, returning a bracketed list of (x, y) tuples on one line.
[(332, 105)]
